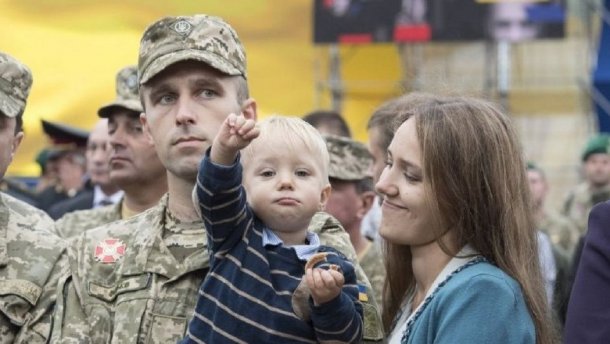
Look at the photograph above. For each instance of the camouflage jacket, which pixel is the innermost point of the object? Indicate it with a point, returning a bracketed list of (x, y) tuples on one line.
[(31, 263), (76, 222), (579, 203), (371, 261), (563, 233), (145, 296)]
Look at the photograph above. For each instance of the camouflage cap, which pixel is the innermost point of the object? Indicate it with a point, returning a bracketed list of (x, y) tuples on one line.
[(15, 84), (597, 144), (127, 93), (349, 159), (200, 37)]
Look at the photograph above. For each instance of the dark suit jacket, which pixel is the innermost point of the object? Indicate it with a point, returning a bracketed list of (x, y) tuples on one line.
[(588, 319), (84, 200)]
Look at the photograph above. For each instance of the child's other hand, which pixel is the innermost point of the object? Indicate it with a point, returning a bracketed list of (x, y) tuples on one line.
[(235, 133), (324, 285)]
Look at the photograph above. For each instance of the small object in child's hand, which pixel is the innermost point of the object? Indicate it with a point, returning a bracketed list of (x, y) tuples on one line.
[(315, 259)]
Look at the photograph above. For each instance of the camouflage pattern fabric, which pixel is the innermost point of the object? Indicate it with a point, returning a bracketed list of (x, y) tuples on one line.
[(126, 286), (200, 37), (146, 296), (15, 84), (332, 234), (563, 234), (76, 222), (371, 261), (349, 160), (580, 202), (127, 93), (32, 260)]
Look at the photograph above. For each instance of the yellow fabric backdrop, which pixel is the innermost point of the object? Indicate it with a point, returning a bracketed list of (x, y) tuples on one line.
[(75, 47)]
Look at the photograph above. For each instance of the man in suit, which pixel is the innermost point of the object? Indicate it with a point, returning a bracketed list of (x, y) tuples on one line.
[(589, 308)]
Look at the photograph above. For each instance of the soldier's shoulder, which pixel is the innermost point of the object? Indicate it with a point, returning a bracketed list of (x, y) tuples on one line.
[(324, 222), (26, 217), (126, 229), (581, 190), (76, 222)]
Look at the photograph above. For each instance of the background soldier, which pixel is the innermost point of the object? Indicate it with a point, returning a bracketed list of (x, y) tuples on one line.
[(103, 191), (67, 157), (596, 186), (32, 259), (134, 165), (350, 200)]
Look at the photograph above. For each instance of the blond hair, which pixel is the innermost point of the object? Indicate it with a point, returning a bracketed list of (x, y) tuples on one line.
[(472, 162), (282, 132)]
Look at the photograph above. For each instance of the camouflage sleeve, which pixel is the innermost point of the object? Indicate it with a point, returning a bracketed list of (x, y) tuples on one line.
[(332, 234), (37, 328), (69, 321)]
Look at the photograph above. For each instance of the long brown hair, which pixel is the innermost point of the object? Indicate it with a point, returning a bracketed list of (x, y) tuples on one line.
[(472, 162)]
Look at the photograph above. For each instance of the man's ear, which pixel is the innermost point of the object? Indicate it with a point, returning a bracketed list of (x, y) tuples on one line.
[(249, 109), (16, 143), (366, 198), (324, 195), (146, 127)]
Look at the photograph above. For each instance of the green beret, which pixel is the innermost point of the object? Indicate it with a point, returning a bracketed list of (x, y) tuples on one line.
[(596, 144)]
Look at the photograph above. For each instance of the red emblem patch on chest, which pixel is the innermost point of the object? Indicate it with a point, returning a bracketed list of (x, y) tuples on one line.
[(109, 250)]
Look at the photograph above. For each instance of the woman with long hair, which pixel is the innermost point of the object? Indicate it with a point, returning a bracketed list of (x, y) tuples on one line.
[(461, 247)]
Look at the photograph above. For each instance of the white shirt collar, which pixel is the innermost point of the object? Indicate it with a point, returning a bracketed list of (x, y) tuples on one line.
[(99, 196), (304, 252)]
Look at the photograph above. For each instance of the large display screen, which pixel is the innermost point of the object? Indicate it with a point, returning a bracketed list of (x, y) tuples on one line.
[(370, 21)]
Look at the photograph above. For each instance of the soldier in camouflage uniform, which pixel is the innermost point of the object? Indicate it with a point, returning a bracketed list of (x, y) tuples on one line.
[(351, 198), (596, 187), (31, 258), (134, 165), (137, 280), (561, 231)]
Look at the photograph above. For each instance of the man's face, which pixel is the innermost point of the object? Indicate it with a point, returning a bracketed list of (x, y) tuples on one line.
[(347, 205), (97, 154), (597, 169), (538, 187), (133, 157), (8, 141), (184, 108), (510, 22)]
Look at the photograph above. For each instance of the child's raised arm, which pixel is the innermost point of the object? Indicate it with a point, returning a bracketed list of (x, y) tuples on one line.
[(235, 133)]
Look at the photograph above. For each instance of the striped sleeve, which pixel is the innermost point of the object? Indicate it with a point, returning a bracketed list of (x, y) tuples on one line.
[(222, 203), (340, 320)]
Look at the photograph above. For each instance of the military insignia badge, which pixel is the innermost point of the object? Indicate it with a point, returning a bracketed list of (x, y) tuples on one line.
[(109, 250), (362, 296), (182, 27)]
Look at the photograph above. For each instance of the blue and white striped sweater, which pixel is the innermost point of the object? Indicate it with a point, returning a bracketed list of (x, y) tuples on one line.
[(247, 296)]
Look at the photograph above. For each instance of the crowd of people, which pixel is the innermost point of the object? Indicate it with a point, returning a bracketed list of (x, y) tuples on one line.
[(183, 218)]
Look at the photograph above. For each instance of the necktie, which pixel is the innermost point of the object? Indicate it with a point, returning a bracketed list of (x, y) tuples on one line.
[(105, 202)]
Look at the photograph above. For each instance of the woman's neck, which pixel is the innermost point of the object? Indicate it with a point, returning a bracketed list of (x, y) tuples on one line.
[(427, 262)]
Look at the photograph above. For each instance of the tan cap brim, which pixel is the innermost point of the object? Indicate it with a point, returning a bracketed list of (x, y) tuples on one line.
[(129, 104), (167, 60)]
